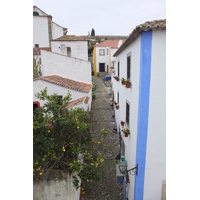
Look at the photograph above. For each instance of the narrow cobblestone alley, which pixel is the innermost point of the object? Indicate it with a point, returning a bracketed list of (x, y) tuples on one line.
[(102, 116)]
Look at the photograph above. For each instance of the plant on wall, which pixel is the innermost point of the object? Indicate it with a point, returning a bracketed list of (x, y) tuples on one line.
[(60, 137), (123, 80)]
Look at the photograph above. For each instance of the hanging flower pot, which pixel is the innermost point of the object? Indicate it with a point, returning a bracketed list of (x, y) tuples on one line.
[(123, 81), (115, 103), (116, 78), (122, 123), (128, 84), (117, 107), (126, 132)]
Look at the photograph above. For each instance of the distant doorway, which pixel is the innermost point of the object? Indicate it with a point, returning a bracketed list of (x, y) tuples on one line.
[(101, 67)]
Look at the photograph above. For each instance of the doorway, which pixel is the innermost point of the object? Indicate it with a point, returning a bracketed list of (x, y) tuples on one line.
[(101, 67)]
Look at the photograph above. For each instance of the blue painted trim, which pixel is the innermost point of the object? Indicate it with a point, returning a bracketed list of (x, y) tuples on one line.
[(143, 112), (121, 179)]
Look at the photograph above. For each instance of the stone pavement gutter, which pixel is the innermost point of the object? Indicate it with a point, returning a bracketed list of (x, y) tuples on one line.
[(102, 116)]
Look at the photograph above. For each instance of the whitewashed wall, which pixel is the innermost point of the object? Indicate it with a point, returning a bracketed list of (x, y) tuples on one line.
[(113, 50), (79, 49), (155, 171), (132, 96), (40, 31), (39, 85), (67, 67), (100, 59), (57, 31)]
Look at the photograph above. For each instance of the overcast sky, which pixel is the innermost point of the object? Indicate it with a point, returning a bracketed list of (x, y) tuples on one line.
[(107, 17)]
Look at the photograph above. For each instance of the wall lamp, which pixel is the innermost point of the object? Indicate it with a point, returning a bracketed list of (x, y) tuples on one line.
[(122, 164)]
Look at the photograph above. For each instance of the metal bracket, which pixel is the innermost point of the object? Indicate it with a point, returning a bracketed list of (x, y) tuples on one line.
[(133, 171)]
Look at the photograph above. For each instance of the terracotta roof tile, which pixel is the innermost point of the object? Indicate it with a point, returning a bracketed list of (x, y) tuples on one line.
[(70, 38), (67, 83), (149, 25), (108, 43), (78, 101)]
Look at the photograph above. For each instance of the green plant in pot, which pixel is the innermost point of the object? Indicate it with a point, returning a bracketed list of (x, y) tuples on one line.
[(128, 83), (123, 81), (126, 132)]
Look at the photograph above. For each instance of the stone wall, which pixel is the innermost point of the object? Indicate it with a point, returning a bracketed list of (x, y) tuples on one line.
[(55, 190)]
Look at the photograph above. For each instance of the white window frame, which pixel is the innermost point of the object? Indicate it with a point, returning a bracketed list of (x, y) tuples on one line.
[(62, 47), (101, 52)]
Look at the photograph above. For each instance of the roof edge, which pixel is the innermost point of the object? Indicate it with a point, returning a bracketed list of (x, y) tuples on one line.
[(148, 25)]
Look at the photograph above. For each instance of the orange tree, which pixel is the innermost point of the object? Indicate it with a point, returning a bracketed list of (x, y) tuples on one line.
[(62, 137)]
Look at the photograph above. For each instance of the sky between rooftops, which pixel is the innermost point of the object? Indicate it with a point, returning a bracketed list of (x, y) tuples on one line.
[(107, 17)]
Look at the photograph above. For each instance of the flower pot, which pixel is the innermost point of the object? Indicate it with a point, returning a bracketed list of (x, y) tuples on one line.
[(117, 107), (122, 123), (128, 85), (123, 82), (117, 78), (126, 134)]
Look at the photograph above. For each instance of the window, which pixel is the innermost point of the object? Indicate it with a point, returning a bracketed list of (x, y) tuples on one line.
[(35, 13), (118, 69), (129, 67), (127, 112), (118, 97), (101, 52), (62, 47), (107, 51), (40, 61), (36, 104), (69, 51)]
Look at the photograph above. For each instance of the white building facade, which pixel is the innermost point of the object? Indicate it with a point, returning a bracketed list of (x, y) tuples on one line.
[(61, 86), (103, 55), (44, 29), (142, 60), (72, 68), (71, 46)]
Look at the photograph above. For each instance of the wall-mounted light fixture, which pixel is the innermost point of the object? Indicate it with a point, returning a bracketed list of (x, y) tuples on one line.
[(122, 164)]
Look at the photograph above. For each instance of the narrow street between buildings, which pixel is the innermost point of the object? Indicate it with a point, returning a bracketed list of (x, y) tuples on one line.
[(102, 115)]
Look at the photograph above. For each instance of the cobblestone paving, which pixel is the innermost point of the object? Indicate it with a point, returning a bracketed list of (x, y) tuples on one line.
[(102, 116)]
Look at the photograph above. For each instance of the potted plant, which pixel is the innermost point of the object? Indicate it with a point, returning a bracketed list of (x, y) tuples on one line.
[(126, 132), (123, 81), (111, 67), (128, 83), (115, 103), (117, 106), (122, 123), (116, 78)]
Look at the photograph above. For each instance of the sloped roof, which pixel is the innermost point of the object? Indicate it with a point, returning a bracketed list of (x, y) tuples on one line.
[(108, 43), (78, 101), (70, 38), (35, 8), (67, 83), (148, 25)]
